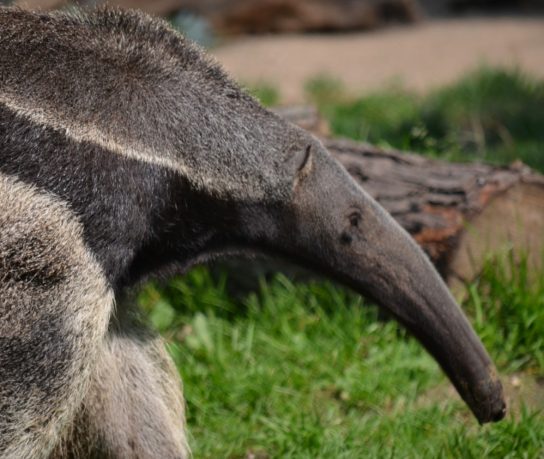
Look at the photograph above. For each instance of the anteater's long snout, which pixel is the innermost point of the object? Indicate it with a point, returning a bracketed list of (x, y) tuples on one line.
[(440, 325), (362, 246)]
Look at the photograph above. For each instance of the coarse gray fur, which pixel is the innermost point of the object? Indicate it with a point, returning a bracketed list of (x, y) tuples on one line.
[(131, 84), (74, 381), (51, 289), (124, 152)]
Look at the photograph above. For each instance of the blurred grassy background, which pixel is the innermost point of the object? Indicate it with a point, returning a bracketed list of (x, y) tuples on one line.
[(309, 370), (494, 115)]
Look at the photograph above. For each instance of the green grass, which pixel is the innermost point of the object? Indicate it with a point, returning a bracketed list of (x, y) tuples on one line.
[(507, 304), (494, 115), (308, 371)]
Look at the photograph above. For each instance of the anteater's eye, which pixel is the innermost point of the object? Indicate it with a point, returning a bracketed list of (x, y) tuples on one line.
[(354, 219)]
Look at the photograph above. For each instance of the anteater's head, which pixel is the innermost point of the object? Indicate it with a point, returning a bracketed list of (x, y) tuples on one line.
[(323, 220), (231, 174), (330, 224)]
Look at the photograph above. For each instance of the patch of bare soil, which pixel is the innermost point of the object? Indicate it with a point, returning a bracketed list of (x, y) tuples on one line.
[(420, 57)]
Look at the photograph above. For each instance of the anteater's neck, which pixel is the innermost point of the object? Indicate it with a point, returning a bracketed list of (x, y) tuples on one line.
[(134, 214)]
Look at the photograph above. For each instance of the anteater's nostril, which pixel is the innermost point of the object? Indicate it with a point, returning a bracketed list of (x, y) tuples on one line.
[(345, 238)]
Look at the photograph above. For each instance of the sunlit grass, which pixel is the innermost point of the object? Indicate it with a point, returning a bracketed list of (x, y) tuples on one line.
[(309, 370)]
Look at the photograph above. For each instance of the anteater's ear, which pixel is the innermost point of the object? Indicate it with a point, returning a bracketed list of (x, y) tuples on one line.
[(300, 162)]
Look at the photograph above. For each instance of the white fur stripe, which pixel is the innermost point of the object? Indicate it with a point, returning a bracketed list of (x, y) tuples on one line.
[(87, 132)]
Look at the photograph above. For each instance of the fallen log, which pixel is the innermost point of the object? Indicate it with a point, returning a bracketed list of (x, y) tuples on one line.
[(460, 213)]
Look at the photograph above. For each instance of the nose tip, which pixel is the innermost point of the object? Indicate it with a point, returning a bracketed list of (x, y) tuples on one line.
[(494, 408), (494, 413), (499, 413), (487, 399)]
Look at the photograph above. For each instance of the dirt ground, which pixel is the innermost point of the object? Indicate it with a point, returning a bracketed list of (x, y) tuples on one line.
[(420, 57)]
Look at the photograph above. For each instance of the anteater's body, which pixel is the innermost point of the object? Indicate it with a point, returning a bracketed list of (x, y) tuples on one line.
[(124, 151)]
